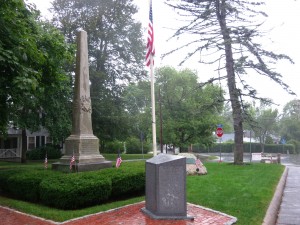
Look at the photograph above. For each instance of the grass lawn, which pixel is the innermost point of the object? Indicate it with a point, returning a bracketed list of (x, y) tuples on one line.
[(241, 191), (112, 157)]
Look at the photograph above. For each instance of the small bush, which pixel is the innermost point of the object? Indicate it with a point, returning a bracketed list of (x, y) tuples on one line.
[(113, 147), (74, 191), (25, 185), (134, 146), (126, 181), (4, 177), (53, 152), (296, 146)]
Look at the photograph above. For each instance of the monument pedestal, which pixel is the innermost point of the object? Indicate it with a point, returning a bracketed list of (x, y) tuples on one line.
[(85, 149)]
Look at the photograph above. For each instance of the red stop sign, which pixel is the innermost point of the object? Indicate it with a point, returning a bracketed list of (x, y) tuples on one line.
[(219, 132)]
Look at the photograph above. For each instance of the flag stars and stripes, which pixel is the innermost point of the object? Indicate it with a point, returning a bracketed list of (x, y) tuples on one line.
[(72, 161), (46, 162), (119, 161), (150, 40)]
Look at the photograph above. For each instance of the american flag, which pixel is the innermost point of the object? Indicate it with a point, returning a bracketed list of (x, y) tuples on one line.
[(119, 161), (46, 161), (72, 161), (150, 42)]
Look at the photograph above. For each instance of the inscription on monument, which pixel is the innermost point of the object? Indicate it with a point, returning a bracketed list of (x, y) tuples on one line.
[(90, 146), (166, 187), (172, 199)]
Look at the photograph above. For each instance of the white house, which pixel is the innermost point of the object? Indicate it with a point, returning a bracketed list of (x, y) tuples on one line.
[(10, 147)]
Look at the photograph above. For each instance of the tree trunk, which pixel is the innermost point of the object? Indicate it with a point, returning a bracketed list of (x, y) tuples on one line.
[(233, 91), (24, 146)]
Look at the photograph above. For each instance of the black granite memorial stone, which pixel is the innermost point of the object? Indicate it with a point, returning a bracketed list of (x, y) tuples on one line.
[(166, 187)]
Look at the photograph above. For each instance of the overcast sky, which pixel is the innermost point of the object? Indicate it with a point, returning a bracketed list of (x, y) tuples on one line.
[(284, 38)]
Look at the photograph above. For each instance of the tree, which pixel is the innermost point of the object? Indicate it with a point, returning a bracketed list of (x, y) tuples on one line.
[(189, 113), (137, 100), (18, 51), (228, 30), (290, 123), (266, 123), (116, 53), (34, 81), (55, 97)]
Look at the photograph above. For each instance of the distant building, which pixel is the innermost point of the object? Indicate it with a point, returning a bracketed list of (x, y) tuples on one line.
[(11, 146)]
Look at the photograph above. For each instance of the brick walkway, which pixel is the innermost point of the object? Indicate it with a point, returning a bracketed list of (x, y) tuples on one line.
[(127, 215)]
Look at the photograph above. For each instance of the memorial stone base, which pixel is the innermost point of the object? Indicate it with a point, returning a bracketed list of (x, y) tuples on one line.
[(86, 152), (166, 188)]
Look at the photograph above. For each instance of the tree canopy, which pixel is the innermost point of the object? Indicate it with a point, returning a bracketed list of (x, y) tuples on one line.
[(290, 123), (35, 87), (190, 113)]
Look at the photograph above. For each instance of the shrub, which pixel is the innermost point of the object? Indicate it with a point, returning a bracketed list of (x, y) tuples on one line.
[(296, 145), (134, 146), (113, 147), (25, 185), (126, 181), (4, 176), (53, 152), (255, 147), (74, 191)]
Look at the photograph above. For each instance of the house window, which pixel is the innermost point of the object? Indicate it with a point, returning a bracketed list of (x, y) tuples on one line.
[(48, 140), (31, 142), (38, 141)]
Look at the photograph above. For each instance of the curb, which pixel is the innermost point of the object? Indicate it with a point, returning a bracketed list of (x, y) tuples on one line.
[(273, 209)]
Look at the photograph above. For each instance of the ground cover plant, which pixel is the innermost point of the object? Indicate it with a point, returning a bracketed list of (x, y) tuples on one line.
[(241, 191)]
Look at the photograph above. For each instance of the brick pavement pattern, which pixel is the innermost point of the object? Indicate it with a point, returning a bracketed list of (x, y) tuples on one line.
[(127, 215)]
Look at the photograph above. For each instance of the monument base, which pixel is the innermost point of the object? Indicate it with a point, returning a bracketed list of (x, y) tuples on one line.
[(166, 217), (81, 167)]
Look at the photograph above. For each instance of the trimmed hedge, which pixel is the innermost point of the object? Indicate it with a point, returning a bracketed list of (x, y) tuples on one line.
[(4, 176), (73, 190), (255, 147), (53, 152), (25, 185), (126, 181)]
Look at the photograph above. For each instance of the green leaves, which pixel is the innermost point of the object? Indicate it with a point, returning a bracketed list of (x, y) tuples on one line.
[(189, 112), (34, 63)]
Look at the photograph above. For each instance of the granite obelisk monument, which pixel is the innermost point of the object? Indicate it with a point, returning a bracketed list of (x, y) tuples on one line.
[(82, 143)]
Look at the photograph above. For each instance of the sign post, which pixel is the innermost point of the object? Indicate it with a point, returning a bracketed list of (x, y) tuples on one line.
[(219, 133)]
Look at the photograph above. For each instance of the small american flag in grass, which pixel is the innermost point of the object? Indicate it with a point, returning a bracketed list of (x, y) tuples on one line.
[(119, 161), (72, 161), (46, 162)]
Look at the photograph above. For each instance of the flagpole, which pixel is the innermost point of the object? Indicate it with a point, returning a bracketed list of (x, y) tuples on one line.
[(153, 108), (150, 62)]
